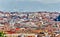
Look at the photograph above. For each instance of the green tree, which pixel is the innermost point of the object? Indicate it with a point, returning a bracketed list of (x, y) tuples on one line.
[(2, 34)]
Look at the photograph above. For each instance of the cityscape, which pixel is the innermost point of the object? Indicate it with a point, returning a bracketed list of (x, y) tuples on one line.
[(29, 18), (30, 24)]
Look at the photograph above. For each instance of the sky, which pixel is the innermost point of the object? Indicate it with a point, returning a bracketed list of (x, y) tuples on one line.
[(29, 5)]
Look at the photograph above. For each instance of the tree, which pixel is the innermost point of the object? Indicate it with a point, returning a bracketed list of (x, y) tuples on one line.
[(57, 18), (2, 34)]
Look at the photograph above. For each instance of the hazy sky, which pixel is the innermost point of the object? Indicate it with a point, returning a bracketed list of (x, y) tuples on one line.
[(30, 5)]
